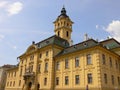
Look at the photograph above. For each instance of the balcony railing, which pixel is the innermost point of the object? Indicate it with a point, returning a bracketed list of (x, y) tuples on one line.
[(28, 75)]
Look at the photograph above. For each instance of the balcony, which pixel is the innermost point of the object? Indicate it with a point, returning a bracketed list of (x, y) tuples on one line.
[(29, 75)]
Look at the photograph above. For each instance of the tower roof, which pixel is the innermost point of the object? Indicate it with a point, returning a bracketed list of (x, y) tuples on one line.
[(63, 13)]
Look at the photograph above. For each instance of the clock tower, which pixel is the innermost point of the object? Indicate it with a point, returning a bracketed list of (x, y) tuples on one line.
[(63, 26)]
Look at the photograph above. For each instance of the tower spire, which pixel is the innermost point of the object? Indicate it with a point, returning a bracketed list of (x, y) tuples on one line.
[(63, 11)]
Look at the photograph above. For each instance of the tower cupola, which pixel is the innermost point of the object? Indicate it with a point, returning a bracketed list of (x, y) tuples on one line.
[(63, 26)]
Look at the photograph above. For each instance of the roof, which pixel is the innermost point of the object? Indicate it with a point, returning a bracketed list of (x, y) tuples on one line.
[(110, 43), (53, 40), (12, 68), (80, 46), (7, 66)]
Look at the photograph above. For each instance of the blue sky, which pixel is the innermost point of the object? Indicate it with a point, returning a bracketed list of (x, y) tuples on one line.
[(24, 21)]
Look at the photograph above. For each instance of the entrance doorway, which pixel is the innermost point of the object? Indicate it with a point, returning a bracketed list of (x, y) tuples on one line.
[(29, 85), (38, 86)]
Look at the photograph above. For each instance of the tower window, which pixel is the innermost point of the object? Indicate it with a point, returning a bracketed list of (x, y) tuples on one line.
[(58, 33), (67, 33)]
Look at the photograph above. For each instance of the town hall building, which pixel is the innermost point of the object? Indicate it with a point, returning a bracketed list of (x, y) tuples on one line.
[(56, 64)]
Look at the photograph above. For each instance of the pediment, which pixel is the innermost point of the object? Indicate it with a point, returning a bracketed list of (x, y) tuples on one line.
[(31, 49)]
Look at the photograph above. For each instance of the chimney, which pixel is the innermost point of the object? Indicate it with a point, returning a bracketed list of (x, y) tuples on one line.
[(71, 42), (85, 37)]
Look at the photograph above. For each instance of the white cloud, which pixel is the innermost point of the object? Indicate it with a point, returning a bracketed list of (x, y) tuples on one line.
[(9, 8), (14, 8), (3, 4), (114, 29)]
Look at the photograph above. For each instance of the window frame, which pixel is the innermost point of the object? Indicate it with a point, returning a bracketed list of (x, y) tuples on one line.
[(77, 62), (89, 59), (89, 78), (77, 79), (66, 80)]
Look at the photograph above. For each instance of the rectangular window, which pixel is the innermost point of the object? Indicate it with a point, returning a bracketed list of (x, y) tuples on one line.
[(77, 80), (21, 71), (46, 53), (112, 79), (66, 64), (46, 67), (105, 78), (116, 64), (31, 68), (110, 61), (103, 59), (7, 83), (89, 59), (89, 77), (57, 80), (57, 65), (66, 80), (40, 55), (118, 80), (19, 82), (32, 57), (39, 68), (13, 83), (25, 69), (10, 83), (45, 81), (76, 61)]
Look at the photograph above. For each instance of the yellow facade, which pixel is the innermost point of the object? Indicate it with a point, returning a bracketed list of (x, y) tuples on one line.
[(54, 65)]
